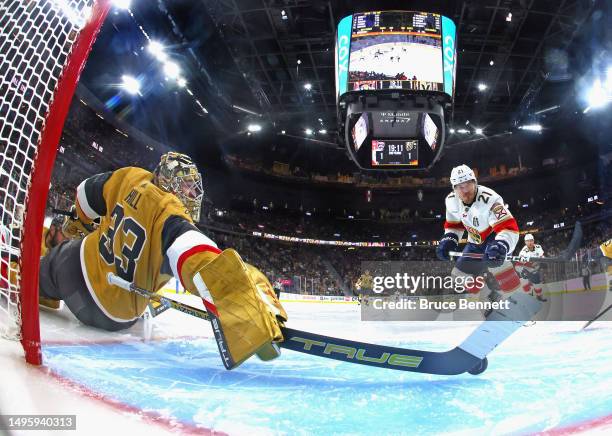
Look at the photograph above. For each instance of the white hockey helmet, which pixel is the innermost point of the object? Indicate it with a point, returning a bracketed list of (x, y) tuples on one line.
[(461, 174), (529, 237)]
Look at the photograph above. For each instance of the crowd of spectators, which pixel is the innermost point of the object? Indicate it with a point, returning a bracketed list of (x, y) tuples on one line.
[(278, 169), (89, 145)]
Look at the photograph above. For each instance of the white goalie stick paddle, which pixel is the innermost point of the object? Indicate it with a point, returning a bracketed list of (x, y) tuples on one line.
[(470, 356)]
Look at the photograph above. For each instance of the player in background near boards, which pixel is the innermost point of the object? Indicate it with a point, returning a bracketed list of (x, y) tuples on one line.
[(531, 270), (492, 231), (139, 226), (605, 250)]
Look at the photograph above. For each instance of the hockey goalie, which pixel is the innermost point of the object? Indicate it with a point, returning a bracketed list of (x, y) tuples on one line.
[(139, 226)]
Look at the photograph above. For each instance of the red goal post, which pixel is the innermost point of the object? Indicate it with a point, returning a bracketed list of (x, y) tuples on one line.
[(43, 47)]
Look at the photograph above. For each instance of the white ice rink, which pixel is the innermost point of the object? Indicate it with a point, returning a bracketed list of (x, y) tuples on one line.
[(427, 69), (547, 377)]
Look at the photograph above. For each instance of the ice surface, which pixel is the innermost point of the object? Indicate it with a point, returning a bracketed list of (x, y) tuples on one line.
[(545, 376)]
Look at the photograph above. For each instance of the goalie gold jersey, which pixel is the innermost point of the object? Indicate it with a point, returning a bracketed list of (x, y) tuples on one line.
[(144, 235)]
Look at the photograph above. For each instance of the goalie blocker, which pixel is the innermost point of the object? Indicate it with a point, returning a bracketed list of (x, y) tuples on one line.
[(246, 316)]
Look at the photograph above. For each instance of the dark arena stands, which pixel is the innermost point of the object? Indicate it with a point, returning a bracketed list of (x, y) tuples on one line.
[(262, 199), (338, 236)]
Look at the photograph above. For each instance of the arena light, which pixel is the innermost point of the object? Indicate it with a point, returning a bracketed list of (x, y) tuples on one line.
[(181, 82), (597, 96), (478, 131), (308, 131), (157, 50), (130, 84), (122, 4), (283, 132), (491, 62), (322, 131), (254, 128), (482, 86), (172, 70), (463, 131), (452, 131), (308, 86), (531, 127), (509, 17)]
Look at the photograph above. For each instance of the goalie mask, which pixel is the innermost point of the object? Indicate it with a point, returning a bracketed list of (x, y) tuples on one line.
[(177, 174)]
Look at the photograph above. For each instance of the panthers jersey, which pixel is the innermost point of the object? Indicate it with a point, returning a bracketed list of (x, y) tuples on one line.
[(486, 215), (527, 253), (142, 234), (606, 248)]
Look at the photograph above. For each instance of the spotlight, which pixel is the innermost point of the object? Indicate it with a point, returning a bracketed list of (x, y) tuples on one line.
[(531, 127), (308, 86), (509, 17), (122, 4), (254, 128), (482, 86), (283, 132), (323, 131), (452, 131), (172, 70), (597, 96), (130, 84), (491, 62), (478, 131), (157, 50), (308, 131), (463, 131)]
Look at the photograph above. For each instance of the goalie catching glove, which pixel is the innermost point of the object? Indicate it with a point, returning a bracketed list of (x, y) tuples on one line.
[(246, 316)]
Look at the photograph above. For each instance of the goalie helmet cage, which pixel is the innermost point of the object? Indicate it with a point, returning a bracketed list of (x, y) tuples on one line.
[(43, 48)]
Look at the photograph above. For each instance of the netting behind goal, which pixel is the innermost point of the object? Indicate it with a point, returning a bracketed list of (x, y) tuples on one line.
[(43, 47)]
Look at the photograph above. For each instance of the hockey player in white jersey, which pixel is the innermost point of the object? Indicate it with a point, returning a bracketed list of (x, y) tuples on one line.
[(529, 269), (492, 231)]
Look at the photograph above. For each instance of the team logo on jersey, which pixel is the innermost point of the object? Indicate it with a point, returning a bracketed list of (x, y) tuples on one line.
[(475, 222), (475, 234), (500, 212)]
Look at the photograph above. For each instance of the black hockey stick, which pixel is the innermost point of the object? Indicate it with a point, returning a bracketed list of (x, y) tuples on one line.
[(565, 256), (510, 258), (602, 313), (470, 356)]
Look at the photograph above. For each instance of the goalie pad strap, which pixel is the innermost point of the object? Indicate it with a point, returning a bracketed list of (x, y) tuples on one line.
[(178, 255)]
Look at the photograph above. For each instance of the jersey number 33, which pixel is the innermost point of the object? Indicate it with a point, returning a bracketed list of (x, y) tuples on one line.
[(132, 237)]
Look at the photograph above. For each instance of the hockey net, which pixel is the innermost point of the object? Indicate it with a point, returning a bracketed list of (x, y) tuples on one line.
[(43, 47)]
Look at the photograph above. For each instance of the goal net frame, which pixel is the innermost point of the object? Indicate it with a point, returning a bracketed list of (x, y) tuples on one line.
[(74, 26)]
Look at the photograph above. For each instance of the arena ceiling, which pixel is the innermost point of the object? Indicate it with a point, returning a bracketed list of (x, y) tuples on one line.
[(249, 60)]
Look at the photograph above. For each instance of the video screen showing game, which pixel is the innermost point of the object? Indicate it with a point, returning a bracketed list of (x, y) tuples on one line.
[(396, 50)]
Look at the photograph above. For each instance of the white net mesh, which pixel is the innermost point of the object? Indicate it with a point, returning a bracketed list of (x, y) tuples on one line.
[(36, 39)]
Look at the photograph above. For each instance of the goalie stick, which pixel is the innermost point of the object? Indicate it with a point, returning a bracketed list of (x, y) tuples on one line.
[(470, 356), (602, 313)]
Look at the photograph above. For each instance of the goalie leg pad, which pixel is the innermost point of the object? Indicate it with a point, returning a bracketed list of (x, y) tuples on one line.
[(246, 319)]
